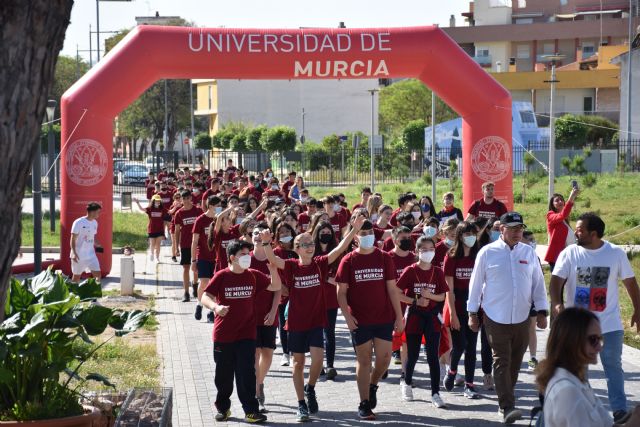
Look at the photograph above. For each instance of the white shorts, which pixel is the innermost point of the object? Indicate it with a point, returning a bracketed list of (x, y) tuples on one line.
[(85, 264)]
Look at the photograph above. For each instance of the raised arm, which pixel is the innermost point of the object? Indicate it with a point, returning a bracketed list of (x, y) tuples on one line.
[(222, 215), (344, 243), (262, 206), (135, 199), (265, 238), (276, 282)]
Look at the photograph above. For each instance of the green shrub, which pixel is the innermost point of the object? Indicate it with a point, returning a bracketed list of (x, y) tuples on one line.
[(589, 180)]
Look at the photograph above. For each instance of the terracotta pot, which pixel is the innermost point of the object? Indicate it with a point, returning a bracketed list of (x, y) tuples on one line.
[(89, 419)]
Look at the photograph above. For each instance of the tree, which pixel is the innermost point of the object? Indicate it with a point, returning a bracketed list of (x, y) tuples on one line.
[(254, 136), (413, 134), (279, 138), (68, 71), (222, 139), (31, 38), (332, 143), (578, 131), (203, 141)]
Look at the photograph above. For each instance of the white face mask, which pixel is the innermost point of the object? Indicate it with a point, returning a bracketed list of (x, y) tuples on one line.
[(286, 239), (469, 241), (218, 209), (244, 261), (448, 242), (274, 187), (429, 231), (239, 220), (427, 256), (374, 217), (416, 215), (303, 199), (336, 207), (367, 242)]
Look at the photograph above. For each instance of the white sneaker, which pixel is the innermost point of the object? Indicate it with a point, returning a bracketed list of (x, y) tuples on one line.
[(285, 360), (437, 401), (158, 259), (151, 257), (487, 382), (407, 391), (459, 380), (443, 371)]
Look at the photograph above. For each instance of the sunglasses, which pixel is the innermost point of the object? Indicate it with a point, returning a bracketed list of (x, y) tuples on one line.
[(595, 340), (306, 245)]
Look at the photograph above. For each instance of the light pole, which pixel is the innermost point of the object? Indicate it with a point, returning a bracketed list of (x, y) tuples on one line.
[(628, 127), (98, 24), (51, 109), (371, 158), (302, 139), (192, 125), (552, 131)]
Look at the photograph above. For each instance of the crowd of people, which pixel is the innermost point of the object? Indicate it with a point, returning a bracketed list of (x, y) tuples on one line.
[(267, 258)]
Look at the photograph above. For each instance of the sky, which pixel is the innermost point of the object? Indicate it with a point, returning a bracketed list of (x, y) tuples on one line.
[(116, 15)]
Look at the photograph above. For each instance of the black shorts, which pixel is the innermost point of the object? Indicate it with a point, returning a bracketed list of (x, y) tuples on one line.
[(533, 312), (185, 256), (154, 235), (266, 337), (205, 269), (300, 341), (362, 334)]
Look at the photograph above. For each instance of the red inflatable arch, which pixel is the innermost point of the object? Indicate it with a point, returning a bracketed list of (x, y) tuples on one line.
[(150, 53)]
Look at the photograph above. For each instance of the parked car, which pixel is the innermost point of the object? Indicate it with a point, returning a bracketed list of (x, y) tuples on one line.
[(133, 174), (151, 163)]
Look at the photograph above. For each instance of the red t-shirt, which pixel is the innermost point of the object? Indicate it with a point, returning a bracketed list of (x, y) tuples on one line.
[(414, 279), (388, 244), (167, 199), (338, 222), (201, 228), (273, 194), (220, 243), (480, 209), (393, 221), (303, 221), (284, 254), (151, 187), (331, 291), (356, 206), (238, 291), (208, 193), (441, 252), (264, 299), (307, 309), (402, 262), (157, 217), (366, 276), (185, 219), (460, 269)]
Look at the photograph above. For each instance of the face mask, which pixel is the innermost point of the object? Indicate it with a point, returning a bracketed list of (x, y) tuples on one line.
[(239, 220), (374, 217), (269, 175), (469, 241), (244, 261), (303, 199), (448, 242), (427, 256), (495, 235), (286, 239), (366, 242), (325, 238), (196, 192), (337, 207), (426, 208), (406, 244), (218, 209), (429, 231), (274, 187), (416, 215)]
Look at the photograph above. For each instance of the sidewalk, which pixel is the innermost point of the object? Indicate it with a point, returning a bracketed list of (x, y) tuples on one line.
[(184, 345)]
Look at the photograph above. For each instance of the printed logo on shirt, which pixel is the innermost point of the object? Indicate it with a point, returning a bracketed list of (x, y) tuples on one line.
[(463, 273), (189, 220), (309, 281), (486, 214), (225, 243), (418, 287), (156, 214), (368, 274), (591, 288), (206, 230), (238, 292)]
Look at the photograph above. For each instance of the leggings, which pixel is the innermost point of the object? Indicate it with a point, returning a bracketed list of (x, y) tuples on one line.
[(330, 336), (284, 340), (426, 326), (464, 341)]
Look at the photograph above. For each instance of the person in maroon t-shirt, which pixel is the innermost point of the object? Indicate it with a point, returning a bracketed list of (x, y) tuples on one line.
[(175, 207), (487, 206), (458, 265), (337, 220), (158, 218), (149, 185), (404, 219), (305, 217), (448, 231), (213, 190), (202, 256), (305, 278), (224, 232), (286, 186), (403, 205), (231, 294), (369, 302), (422, 287), (364, 199), (185, 218)]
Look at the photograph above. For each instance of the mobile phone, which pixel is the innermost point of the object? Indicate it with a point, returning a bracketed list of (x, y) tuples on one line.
[(99, 249), (574, 184)]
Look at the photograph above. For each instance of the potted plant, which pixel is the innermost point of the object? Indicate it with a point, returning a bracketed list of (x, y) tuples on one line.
[(44, 317)]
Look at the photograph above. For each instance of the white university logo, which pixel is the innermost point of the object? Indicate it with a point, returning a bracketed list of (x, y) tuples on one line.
[(86, 162), (491, 158)]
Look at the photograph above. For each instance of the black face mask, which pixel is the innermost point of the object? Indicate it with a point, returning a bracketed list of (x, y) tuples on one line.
[(406, 244), (326, 238)]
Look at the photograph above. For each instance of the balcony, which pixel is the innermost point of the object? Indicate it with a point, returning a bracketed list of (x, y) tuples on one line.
[(483, 61)]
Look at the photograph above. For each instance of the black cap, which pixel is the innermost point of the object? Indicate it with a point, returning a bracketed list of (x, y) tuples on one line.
[(512, 219)]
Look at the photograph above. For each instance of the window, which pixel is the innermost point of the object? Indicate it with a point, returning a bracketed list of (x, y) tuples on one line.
[(482, 51), (549, 48), (587, 103), (524, 20), (527, 117), (523, 51), (588, 49)]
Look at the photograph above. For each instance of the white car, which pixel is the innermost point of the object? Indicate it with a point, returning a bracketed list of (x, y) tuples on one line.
[(133, 174)]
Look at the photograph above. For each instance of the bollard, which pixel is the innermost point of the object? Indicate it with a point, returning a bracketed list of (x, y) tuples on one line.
[(126, 275)]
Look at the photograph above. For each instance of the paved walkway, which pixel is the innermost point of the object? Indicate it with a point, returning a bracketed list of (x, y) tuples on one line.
[(187, 365)]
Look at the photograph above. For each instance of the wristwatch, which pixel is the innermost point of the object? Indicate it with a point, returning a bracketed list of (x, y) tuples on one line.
[(266, 244), (194, 260)]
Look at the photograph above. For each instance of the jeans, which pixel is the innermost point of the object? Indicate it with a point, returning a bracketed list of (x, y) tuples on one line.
[(464, 341), (330, 336), (611, 358), (235, 359), (432, 340), (284, 342)]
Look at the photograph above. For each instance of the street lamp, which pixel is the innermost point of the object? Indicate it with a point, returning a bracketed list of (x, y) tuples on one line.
[(552, 133), (98, 24), (51, 109), (371, 162)]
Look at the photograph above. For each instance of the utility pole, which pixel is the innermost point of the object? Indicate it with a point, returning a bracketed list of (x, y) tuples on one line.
[(98, 29), (90, 49), (552, 131), (371, 155), (192, 125), (433, 146)]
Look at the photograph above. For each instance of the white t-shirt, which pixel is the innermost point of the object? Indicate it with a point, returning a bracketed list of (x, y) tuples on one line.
[(592, 280), (86, 231)]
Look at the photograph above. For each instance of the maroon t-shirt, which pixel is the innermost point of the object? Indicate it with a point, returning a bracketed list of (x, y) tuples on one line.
[(414, 279), (238, 291), (402, 262), (338, 222), (441, 252), (272, 194), (460, 269), (220, 243), (157, 216), (284, 254), (151, 187), (201, 228), (264, 299), (167, 199), (185, 219), (366, 276), (480, 209), (303, 221), (307, 309)]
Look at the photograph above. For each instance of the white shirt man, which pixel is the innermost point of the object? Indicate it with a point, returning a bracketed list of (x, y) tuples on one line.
[(83, 243)]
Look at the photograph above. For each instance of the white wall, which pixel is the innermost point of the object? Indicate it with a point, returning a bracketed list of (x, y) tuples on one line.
[(331, 106), (564, 101), (492, 12), (635, 95)]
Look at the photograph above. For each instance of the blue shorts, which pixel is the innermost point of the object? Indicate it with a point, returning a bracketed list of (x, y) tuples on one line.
[(266, 337), (299, 342), (363, 334), (205, 269)]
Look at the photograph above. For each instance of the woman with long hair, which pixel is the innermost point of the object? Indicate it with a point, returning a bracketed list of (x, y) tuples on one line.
[(574, 343), (384, 217), (427, 206), (558, 228), (316, 219), (373, 204), (158, 218)]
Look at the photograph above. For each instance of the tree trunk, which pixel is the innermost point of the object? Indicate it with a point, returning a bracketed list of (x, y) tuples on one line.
[(31, 35)]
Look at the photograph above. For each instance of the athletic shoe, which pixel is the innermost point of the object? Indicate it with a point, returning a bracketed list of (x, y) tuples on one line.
[(151, 257), (373, 399), (459, 380), (186, 297), (443, 371), (261, 399), (487, 382), (174, 259), (511, 415), (365, 412), (303, 413), (533, 363), (285, 360), (449, 381), (255, 418), (470, 392), (158, 259), (194, 290), (312, 402), (198, 313), (406, 391), (331, 373), (396, 358), (210, 317), (621, 416), (323, 372), (223, 416), (437, 401)]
